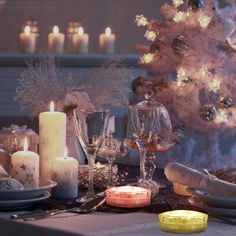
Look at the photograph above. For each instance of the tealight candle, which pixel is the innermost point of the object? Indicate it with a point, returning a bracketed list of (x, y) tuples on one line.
[(56, 41), (80, 41), (27, 40), (128, 196), (25, 167), (183, 221), (52, 138), (65, 172), (107, 41)]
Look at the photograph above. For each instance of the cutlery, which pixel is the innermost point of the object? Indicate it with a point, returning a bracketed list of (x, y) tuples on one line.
[(83, 209)]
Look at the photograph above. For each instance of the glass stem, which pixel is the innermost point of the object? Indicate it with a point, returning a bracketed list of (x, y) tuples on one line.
[(110, 184), (142, 153), (91, 161)]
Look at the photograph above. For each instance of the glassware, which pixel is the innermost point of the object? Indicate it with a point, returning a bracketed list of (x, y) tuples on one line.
[(91, 128), (111, 149), (144, 124)]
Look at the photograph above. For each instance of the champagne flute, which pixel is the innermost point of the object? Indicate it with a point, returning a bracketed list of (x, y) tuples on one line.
[(144, 124), (91, 128)]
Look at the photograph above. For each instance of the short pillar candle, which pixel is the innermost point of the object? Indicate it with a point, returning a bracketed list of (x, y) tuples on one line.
[(80, 41), (56, 41), (27, 41), (65, 172), (107, 41)]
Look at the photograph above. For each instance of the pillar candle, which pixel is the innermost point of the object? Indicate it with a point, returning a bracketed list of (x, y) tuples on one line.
[(80, 41), (52, 139), (27, 40), (107, 41), (25, 167), (56, 41), (65, 172)]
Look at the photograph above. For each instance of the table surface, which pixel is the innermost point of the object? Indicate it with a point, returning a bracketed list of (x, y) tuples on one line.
[(99, 224)]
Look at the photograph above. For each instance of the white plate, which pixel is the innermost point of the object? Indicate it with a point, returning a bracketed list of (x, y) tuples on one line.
[(212, 200), (28, 193), (17, 204)]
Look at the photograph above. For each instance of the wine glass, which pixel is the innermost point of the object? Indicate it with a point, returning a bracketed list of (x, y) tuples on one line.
[(91, 127), (144, 124), (111, 149)]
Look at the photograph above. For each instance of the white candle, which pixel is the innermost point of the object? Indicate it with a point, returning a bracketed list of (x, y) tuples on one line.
[(56, 41), (107, 41), (65, 172), (52, 139), (27, 40), (25, 167), (80, 41)]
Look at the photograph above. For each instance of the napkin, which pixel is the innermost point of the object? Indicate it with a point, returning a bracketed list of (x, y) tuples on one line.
[(7, 183), (178, 173)]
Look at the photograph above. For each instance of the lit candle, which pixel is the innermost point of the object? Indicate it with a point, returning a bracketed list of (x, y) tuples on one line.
[(80, 41), (107, 41), (25, 167), (183, 221), (56, 41), (27, 41), (128, 196), (52, 138), (65, 172)]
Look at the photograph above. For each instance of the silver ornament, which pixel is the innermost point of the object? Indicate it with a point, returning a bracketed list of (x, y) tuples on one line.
[(208, 112), (179, 45), (226, 102)]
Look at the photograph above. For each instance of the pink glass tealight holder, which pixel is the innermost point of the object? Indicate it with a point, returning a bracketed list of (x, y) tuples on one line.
[(128, 197)]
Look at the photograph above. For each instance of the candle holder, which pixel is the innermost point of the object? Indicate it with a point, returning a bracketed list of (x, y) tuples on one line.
[(183, 221)]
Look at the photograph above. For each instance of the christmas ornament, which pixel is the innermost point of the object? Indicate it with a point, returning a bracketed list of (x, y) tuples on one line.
[(208, 112), (196, 4), (179, 45), (154, 47), (226, 102)]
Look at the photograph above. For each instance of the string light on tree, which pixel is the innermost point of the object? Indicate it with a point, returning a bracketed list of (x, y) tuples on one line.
[(180, 17), (204, 21), (147, 58), (214, 85), (150, 35), (177, 3), (141, 20), (221, 117)]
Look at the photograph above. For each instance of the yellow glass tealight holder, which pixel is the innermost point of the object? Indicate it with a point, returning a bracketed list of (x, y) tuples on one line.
[(183, 221)]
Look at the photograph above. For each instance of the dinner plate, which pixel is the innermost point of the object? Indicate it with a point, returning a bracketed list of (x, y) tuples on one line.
[(212, 200), (28, 193), (18, 204)]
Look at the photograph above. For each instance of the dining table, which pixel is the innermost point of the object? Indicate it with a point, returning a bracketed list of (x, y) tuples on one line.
[(107, 220)]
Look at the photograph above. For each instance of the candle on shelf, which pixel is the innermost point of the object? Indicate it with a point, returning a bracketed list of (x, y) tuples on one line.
[(56, 41), (107, 41), (25, 167), (183, 221), (128, 197), (27, 41), (65, 172), (52, 138), (80, 41)]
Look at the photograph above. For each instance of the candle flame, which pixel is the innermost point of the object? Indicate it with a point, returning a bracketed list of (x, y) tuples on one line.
[(65, 152), (56, 30), (52, 106), (80, 31), (108, 31), (26, 144), (27, 30)]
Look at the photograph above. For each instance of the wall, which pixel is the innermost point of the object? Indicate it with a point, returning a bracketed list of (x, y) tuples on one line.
[(94, 14)]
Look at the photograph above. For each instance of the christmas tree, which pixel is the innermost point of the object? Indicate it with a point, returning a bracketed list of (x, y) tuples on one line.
[(193, 53)]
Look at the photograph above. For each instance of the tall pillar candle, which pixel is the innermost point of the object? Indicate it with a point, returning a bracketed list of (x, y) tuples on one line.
[(27, 41), (52, 139), (107, 41), (65, 172), (25, 167), (80, 41), (56, 41)]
